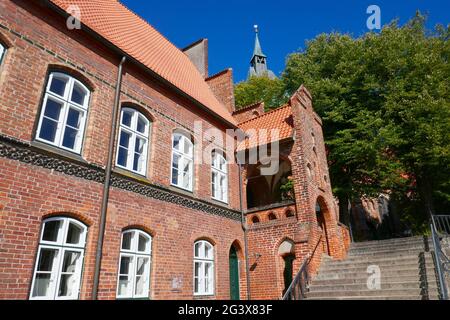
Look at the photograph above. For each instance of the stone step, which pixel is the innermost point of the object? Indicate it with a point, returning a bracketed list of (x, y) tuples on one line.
[(388, 266), (387, 252), (389, 241), (363, 286), (401, 255), (366, 293), (418, 246), (431, 279), (382, 261), (358, 273)]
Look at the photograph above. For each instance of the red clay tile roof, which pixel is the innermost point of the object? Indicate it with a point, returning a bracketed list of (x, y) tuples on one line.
[(280, 119), (133, 35)]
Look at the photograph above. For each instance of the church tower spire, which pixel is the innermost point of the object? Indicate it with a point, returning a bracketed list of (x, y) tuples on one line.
[(258, 64)]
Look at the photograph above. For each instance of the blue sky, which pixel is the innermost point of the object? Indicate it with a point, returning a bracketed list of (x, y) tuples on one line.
[(285, 25)]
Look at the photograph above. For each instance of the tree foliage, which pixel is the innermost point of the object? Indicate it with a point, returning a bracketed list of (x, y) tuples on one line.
[(257, 89)]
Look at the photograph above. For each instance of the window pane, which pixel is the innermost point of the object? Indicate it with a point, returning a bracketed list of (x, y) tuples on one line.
[(125, 139), (208, 273), (47, 259), (141, 125), (78, 94), (187, 147), (74, 234), (48, 130), (53, 109), (175, 164), (176, 142), (67, 285), (73, 118), (58, 86), (137, 162), (144, 244), (198, 253), (139, 145), (68, 280), (126, 240), (126, 118), (123, 157), (42, 285), (207, 251), (70, 137), (125, 265), (142, 264), (70, 261), (124, 285), (51, 229)]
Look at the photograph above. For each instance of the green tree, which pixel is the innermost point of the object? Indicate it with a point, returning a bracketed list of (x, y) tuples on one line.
[(385, 102), (257, 89)]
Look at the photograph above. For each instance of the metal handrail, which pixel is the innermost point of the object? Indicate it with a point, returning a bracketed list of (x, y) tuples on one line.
[(442, 261), (299, 286)]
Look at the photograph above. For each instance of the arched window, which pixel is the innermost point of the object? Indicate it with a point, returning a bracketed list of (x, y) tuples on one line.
[(57, 273), (272, 216), (133, 141), (289, 213), (255, 219), (309, 170), (203, 268), (2, 52), (219, 179), (182, 161), (134, 265), (63, 114)]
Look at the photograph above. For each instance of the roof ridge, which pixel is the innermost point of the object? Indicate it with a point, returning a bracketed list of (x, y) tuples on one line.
[(266, 113)]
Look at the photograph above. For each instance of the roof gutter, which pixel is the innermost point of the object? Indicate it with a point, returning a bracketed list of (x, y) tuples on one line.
[(152, 73)]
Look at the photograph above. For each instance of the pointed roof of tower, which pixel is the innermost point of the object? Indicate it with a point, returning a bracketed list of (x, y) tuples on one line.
[(257, 51)]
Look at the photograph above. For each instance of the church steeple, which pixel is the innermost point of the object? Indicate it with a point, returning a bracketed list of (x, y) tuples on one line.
[(258, 64)]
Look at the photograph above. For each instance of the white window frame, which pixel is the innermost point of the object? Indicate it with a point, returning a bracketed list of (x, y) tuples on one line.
[(67, 104), (2, 52), (184, 158), (202, 278), (135, 254), (134, 134), (219, 177), (61, 247)]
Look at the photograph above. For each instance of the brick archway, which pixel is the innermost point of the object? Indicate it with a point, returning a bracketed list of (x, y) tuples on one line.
[(323, 219)]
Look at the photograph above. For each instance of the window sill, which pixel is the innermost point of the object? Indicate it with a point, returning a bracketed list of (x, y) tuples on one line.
[(131, 174), (220, 203), (55, 150), (133, 299), (181, 190)]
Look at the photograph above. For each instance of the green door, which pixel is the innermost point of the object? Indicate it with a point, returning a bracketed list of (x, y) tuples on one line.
[(288, 261), (234, 275)]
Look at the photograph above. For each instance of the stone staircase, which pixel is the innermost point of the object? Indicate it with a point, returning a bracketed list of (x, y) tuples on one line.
[(406, 269)]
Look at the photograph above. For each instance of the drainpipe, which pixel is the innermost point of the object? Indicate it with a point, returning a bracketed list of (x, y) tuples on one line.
[(244, 228), (106, 186)]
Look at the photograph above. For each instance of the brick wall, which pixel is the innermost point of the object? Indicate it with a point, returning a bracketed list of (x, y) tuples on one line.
[(29, 193), (222, 86)]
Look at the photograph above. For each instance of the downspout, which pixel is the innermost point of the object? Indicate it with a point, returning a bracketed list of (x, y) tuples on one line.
[(106, 185), (244, 228)]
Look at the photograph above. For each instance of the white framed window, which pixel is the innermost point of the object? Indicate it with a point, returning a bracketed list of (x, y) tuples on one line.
[(182, 161), (57, 273), (203, 268), (2, 52), (63, 114), (219, 177), (134, 265), (132, 147)]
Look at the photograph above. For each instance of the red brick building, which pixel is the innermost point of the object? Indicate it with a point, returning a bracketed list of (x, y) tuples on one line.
[(165, 225)]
